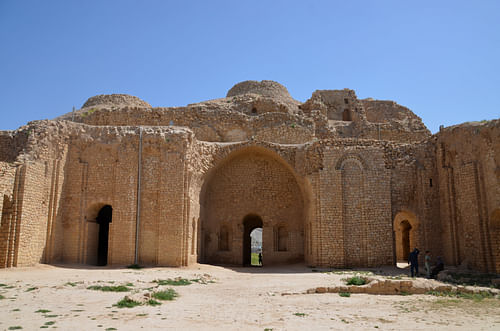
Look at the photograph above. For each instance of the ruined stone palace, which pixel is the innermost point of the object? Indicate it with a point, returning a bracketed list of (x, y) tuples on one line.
[(335, 181)]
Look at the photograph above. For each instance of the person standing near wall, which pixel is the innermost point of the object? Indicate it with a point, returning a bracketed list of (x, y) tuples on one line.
[(413, 262), (427, 261)]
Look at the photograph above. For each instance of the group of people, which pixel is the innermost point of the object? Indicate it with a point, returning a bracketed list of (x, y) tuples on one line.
[(430, 273)]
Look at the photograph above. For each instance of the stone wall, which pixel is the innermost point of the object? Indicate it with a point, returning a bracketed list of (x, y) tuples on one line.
[(252, 182), (104, 171), (327, 189), (216, 126), (468, 161)]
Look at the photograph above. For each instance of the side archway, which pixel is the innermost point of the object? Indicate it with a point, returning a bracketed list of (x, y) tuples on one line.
[(98, 219), (406, 227)]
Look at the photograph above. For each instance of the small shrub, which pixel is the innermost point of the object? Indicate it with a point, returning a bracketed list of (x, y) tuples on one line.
[(50, 316), (173, 282), (118, 288), (31, 289), (70, 284), (345, 294), (356, 280), (17, 327), (110, 329), (169, 294), (152, 302), (127, 303), (43, 311), (50, 323), (134, 266), (300, 314), (1, 297)]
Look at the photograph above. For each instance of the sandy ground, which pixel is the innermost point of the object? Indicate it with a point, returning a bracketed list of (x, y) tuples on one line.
[(239, 298)]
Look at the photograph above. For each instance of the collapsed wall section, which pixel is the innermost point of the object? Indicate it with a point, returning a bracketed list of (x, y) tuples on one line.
[(210, 125)]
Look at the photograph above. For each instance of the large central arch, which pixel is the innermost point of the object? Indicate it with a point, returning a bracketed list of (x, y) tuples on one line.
[(251, 181)]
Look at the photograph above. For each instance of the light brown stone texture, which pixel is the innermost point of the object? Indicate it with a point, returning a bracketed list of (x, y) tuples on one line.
[(335, 181)]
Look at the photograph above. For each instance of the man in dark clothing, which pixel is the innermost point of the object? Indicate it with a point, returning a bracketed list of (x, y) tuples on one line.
[(413, 261)]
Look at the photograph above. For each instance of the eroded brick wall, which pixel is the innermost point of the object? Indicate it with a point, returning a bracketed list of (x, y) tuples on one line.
[(252, 183), (105, 172), (468, 163)]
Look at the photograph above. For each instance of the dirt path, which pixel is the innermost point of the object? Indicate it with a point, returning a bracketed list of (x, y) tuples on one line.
[(239, 298)]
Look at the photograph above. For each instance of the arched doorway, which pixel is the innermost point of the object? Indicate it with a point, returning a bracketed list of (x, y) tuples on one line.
[(406, 234), (405, 239), (250, 223), (251, 188), (104, 217)]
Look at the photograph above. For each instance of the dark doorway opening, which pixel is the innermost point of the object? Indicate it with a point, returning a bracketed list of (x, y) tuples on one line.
[(405, 239), (250, 223), (103, 219)]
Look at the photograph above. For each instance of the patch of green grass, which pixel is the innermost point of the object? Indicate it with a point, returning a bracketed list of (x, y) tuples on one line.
[(70, 284), (135, 266), (43, 311), (471, 296), (300, 314), (473, 279), (345, 294), (50, 323), (129, 284), (404, 293), (31, 289), (1, 297), (110, 329), (356, 280), (169, 294), (118, 288), (152, 302), (88, 112), (127, 303), (254, 259), (17, 327), (173, 282)]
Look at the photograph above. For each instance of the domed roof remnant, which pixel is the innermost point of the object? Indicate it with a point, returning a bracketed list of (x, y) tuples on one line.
[(267, 88), (115, 100)]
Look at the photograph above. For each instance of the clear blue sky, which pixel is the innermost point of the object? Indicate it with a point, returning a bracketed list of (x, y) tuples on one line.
[(439, 58)]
